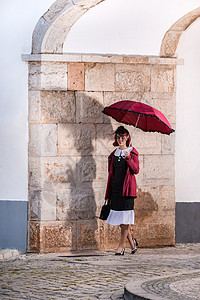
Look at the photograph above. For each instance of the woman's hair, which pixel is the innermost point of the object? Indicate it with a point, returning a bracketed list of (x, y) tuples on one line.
[(122, 131)]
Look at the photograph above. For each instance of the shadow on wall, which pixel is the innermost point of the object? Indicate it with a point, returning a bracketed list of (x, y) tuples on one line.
[(79, 178)]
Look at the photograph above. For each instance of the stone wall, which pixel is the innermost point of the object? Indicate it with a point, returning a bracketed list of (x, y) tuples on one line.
[(70, 139)]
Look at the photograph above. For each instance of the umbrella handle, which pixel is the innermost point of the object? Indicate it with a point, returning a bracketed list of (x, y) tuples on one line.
[(134, 129)]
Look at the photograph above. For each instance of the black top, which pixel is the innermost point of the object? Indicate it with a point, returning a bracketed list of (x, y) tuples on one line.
[(119, 202)]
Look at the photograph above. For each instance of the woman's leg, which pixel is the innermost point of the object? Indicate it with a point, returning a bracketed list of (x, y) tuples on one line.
[(130, 239), (124, 235)]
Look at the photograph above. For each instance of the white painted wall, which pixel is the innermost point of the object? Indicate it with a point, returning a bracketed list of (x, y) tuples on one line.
[(126, 26), (188, 117), (17, 21), (114, 26)]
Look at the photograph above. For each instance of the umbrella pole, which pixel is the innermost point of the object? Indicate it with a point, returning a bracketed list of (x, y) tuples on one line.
[(134, 130)]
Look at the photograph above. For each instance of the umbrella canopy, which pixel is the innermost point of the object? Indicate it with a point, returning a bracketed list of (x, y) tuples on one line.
[(140, 115)]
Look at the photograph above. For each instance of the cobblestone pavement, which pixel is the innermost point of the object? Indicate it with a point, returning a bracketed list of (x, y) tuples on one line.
[(100, 274)]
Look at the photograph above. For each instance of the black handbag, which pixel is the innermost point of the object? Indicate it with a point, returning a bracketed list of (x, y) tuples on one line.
[(105, 210)]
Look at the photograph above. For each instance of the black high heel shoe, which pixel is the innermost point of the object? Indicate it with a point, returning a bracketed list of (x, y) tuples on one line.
[(135, 246), (120, 253)]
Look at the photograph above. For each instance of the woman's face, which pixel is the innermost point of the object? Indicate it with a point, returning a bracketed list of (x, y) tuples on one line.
[(121, 139)]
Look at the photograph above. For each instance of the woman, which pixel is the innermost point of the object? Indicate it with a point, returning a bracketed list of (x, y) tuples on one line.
[(123, 164)]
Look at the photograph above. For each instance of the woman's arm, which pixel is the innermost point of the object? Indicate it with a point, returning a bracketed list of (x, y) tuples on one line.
[(133, 162)]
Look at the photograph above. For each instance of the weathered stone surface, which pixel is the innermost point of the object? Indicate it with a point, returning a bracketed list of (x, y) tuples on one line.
[(55, 36), (58, 236), (33, 237), (145, 142), (170, 43), (57, 107), (165, 102), (76, 139), (75, 204), (46, 75), (76, 76), (34, 106), (43, 140), (42, 205), (105, 138), (132, 78), (168, 144), (86, 170), (68, 155), (154, 204), (34, 172), (111, 236), (159, 170), (99, 77), (58, 172), (56, 9), (88, 234), (89, 106), (162, 79)]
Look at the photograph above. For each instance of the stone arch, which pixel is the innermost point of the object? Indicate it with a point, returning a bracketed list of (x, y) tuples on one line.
[(172, 36), (53, 27)]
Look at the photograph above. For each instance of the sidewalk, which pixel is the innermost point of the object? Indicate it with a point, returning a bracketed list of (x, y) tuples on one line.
[(161, 273)]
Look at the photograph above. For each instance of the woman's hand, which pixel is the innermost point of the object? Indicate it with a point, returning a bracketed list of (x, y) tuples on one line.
[(127, 153)]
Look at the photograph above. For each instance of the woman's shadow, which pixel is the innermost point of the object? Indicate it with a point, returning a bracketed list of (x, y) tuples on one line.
[(82, 204)]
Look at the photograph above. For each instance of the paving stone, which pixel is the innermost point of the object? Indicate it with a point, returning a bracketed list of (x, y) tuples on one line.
[(164, 273)]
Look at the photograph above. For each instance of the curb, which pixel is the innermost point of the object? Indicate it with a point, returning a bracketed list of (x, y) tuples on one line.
[(9, 253), (135, 290)]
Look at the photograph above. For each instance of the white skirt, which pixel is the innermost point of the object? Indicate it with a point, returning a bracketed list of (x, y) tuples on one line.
[(120, 217)]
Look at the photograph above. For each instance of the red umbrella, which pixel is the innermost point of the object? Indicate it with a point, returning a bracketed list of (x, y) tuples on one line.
[(139, 115)]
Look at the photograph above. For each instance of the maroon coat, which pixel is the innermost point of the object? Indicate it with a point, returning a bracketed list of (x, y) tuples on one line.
[(129, 187)]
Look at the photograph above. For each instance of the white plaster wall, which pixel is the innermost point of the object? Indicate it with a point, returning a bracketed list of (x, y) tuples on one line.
[(126, 26), (115, 26), (17, 21), (188, 126)]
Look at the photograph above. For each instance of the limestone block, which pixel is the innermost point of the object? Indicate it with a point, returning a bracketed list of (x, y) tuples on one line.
[(154, 204), (58, 236), (170, 43), (111, 236), (99, 195), (34, 106), (86, 170), (57, 107), (34, 172), (56, 9), (99, 77), (38, 35), (140, 175), (145, 142), (76, 139), (132, 78), (162, 79), (47, 76), (58, 173), (75, 203), (101, 168), (168, 144), (42, 205), (105, 138), (89, 106), (155, 234), (87, 3), (159, 170), (76, 76), (57, 32), (43, 140), (88, 235), (165, 102), (33, 237)]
